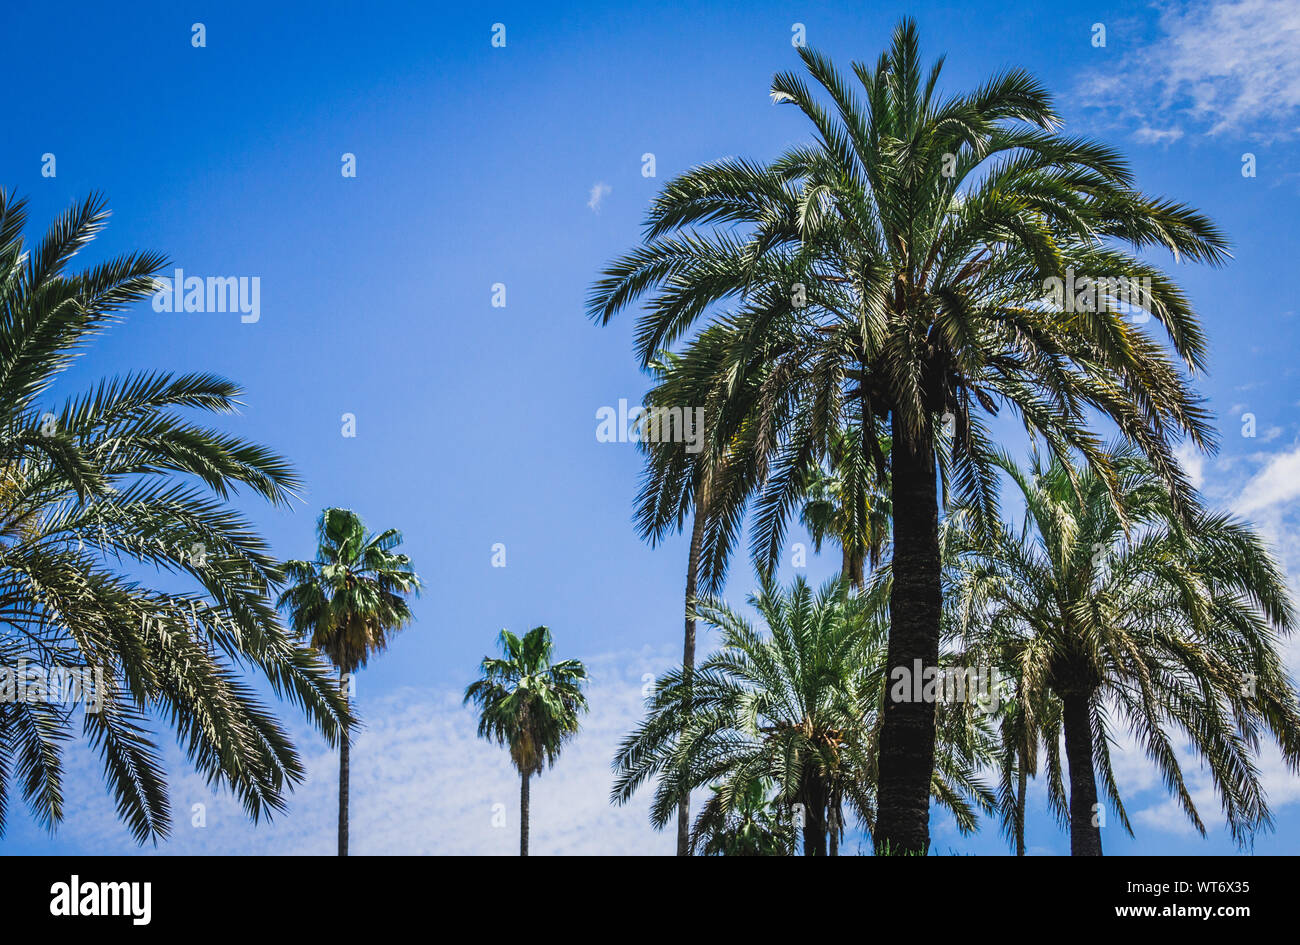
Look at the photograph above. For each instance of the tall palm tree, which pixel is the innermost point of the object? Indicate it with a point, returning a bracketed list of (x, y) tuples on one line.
[(798, 706), (679, 481), (348, 603), (96, 493), (1131, 617), (530, 704), (892, 273)]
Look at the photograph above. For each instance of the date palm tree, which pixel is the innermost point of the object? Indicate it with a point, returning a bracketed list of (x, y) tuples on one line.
[(752, 824), (348, 603), (798, 706), (893, 274), (120, 553), (1130, 618), (681, 481), (529, 704)]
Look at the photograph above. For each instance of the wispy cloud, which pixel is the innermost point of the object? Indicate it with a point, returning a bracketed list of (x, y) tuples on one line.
[(422, 783), (1228, 66), (1274, 486), (599, 191)]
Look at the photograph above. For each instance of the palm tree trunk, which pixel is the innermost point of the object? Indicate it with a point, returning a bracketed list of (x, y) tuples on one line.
[(1085, 834), (915, 602), (1020, 808), (853, 567), (833, 818), (523, 814), (344, 771), (814, 812), (688, 658)]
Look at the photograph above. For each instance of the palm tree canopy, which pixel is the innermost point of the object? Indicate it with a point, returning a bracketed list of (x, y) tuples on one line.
[(752, 825), (527, 702), (98, 496), (353, 597), (1173, 628), (803, 697), (896, 267)]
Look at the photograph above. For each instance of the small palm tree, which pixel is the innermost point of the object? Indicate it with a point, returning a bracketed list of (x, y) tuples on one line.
[(798, 706), (348, 603), (1111, 617), (96, 494), (751, 825), (529, 704)]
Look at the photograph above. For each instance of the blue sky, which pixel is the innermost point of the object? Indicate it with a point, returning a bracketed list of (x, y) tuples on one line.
[(475, 424)]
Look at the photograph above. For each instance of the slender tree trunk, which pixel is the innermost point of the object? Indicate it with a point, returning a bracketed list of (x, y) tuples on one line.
[(344, 770), (814, 814), (833, 828), (1085, 833), (853, 567), (523, 814), (907, 728), (1020, 807), (688, 656)]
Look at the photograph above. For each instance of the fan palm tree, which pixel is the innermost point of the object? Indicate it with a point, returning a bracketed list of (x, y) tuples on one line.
[(799, 707), (529, 704), (98, 492), (348, 603), (892, 274), (1130, 617)]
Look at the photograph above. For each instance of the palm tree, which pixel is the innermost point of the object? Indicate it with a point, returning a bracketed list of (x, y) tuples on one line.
[(799, 707), (846, 503), (529, 704), (348, 603), (1132, 617), (751, 825), (891, 274), (96, 493), (679, 481)]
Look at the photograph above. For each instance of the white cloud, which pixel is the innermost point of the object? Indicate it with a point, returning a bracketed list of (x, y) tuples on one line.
[(1193, 462), (1149, 135), (1276, 484), (421, 783), (599, 191), (1230, 66)]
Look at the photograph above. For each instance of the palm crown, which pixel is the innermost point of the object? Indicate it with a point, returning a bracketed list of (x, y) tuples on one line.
[(799, 706), (100, 491), (353, 597), (1167, 629), (528, 703)]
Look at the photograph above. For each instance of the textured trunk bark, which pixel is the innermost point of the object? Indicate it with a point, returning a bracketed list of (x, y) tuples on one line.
[(814, 831), (833, 828), (688, 659), (1020, 808), (907, 728), (344, 771), (523, 814), (1085, 834), (853, 567)]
